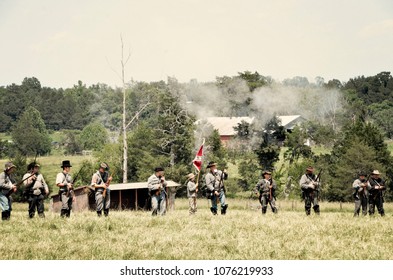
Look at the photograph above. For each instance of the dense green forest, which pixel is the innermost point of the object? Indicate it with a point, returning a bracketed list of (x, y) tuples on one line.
[(349, 121)]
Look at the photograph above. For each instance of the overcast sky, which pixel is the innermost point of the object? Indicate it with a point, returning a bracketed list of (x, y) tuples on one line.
[(61, 42)]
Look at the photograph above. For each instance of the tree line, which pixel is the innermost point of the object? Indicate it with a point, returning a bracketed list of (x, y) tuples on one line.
[(351, 119)]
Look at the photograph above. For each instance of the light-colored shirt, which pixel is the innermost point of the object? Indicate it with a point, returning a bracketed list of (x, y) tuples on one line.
[(191, 189), (39, 184)]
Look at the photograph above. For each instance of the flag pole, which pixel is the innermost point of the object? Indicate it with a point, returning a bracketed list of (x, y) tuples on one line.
[(199, 171)]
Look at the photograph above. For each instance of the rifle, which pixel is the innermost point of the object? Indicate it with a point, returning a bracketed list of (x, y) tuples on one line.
[(219, 183), (107, 185), (379, 191), (28, 188), (270, 190), (71, 190), (318, 178)]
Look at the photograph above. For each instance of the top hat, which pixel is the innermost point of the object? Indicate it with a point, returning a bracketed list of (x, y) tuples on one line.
[(66, 163)]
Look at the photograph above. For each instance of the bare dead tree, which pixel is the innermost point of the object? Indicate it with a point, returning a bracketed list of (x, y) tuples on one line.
[(123, 61)]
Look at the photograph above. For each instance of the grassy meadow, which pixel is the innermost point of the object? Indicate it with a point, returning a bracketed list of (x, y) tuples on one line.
[(243, 234)]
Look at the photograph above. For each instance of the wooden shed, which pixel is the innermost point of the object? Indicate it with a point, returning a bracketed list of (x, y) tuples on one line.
[(135, 196), (84, 200), (128, 196)]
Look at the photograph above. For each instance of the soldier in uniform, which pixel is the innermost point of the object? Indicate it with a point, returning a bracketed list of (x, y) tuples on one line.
[(215, 184), (7, 187), (156, 185), (192, 189), (360, 194), (100, 182), (266, 188), (64, 182), (309, 184), (375, 188), (36, 189)]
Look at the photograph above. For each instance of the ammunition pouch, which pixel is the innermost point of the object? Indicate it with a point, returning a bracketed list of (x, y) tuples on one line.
[(207, 193)]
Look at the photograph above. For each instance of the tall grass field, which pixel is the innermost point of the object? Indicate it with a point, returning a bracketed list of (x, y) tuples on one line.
[(242, 234)]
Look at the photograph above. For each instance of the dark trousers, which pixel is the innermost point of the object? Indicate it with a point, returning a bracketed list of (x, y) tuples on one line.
[(265, 200), (36, 202), (376, 200), (311, 198)]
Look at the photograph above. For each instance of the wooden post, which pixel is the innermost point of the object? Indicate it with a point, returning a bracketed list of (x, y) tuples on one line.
[(120, 200), (136, 199)]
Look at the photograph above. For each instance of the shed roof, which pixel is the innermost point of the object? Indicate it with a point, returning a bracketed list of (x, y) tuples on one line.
[(138, 185), (225, 125), (290, 121)]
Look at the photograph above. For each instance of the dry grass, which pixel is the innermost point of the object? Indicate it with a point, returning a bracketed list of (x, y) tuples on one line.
[(242, 234)]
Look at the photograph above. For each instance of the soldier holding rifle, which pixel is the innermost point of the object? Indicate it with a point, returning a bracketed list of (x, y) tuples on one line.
[(215, 184), (7, 187), (65, 184), (156, 185), (35, 189), (360, 195), (310, 184), (266, 188), (100, 182), (375, 188)]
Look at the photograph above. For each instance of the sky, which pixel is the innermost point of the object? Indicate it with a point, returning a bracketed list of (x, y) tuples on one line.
[(61, 42)]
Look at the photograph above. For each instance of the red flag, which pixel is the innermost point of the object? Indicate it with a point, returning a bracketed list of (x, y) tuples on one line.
[(197, 162)]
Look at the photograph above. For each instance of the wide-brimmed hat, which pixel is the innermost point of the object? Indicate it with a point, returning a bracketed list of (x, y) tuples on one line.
[(375, 172), (211, 163), (104, 165), (266, 172), (66, 163), (158, 169), (32, 165), (9, 165), (190, 176), (310, 168)]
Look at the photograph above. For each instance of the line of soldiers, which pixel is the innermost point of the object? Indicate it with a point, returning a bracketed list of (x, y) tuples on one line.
[(214, 180), (36, 189), (367, 191)]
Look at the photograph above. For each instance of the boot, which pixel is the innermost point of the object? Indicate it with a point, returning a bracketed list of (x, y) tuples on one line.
[(31, 215), (4, 216), (68, 213), (99, 213), (106, 212), (316, 209), (8, 215), (62, 213), (41, 215), (224, 209), (308, 211), (214, 211), (264, 210)]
